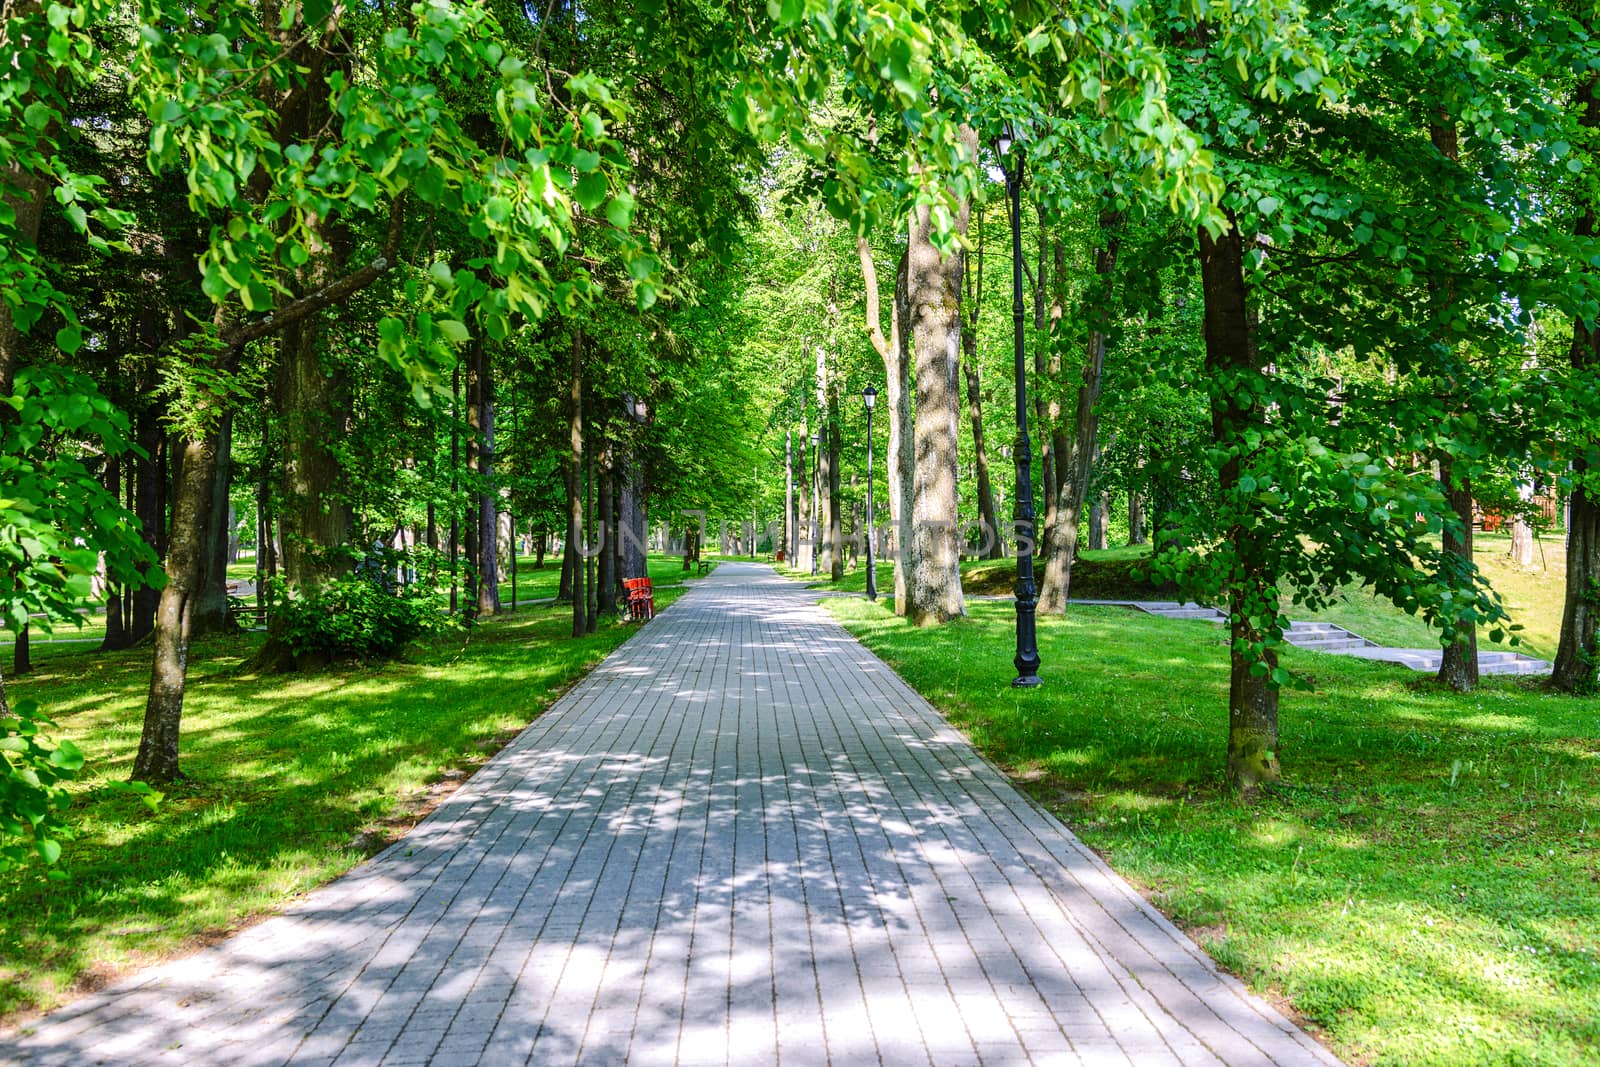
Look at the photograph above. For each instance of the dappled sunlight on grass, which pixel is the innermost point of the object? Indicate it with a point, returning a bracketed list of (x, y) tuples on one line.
[(1425, 887), (293, 780)]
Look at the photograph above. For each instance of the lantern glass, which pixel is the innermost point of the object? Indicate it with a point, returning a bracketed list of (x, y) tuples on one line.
[(869, 397)]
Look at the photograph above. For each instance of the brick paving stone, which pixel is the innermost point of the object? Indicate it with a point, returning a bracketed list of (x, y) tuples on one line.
[(742, 839)]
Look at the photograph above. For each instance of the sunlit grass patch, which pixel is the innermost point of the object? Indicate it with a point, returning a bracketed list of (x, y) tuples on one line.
[(293, 779), (1425, 887)]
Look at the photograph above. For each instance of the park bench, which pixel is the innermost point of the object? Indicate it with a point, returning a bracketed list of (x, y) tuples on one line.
[(705, 566), (641, 599)]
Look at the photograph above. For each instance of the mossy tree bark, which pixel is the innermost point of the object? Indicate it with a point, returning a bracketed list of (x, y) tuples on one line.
[(1231, 360)]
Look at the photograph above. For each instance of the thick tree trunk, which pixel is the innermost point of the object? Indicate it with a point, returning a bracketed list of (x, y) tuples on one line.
[(1097, 523), (1074, 465), (1577, 665), (211, 609), (314, 406), (1136, 530), (21, 653), (935, 281), (1231, 361), (632, 532), (157, 759), (935, 291)]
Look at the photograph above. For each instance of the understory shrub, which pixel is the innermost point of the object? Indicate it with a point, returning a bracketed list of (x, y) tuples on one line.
[(357, 617)]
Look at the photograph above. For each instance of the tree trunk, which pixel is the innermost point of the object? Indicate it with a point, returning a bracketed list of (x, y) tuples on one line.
[(314, 406), (894, 351), (488, 511), (569, 551), (591, 605), (1458, 668), (580, 599), (835, 447), (211, 614), (935, 293), (157, 759), (807, 501), (1136, 530), (1049, 312), (455, 484), (1231, 362), (1097, 523), (1577, 665), (607, 592), (21, 654), (1073, 466), (791, 535), (116, 630), (990, 545), (149, 505), (472, 525)]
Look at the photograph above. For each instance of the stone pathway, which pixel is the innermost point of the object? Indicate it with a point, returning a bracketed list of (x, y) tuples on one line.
[(741, 840), (1328, 637)]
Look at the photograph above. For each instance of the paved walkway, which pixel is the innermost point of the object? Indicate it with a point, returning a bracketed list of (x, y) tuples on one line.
[(741, 840)]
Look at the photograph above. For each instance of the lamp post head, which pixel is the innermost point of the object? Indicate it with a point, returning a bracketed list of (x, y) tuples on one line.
[(1007, 138), (816, 438), (869, 397)]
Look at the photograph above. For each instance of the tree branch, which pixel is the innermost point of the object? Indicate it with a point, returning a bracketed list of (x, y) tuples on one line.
[(335, 291)]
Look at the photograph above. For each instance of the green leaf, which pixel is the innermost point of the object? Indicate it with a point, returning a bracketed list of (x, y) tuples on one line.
[(69, 338), (584, 161), (37, 115), (455, 332), (591, 190), (620, 211)]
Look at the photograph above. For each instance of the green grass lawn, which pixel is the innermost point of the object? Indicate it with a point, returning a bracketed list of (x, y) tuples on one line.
[(1423, 890), (293, 780)]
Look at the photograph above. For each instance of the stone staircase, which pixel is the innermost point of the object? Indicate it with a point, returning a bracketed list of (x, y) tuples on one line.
[(1327, 637)]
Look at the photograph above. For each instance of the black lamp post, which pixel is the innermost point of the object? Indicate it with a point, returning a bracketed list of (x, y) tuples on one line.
[(869, 397), (1027, 659), (816, 510)]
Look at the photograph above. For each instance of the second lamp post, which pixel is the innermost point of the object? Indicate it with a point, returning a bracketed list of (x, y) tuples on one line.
[(869, 396), (1027, 658)]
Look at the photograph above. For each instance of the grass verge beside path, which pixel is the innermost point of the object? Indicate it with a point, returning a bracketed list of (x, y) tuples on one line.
[(294, 779), (1424, 889)]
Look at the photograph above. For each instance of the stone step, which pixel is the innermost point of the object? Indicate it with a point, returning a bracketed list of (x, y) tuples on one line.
[(1328, 642), (1520, 665), (1182, 611)]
